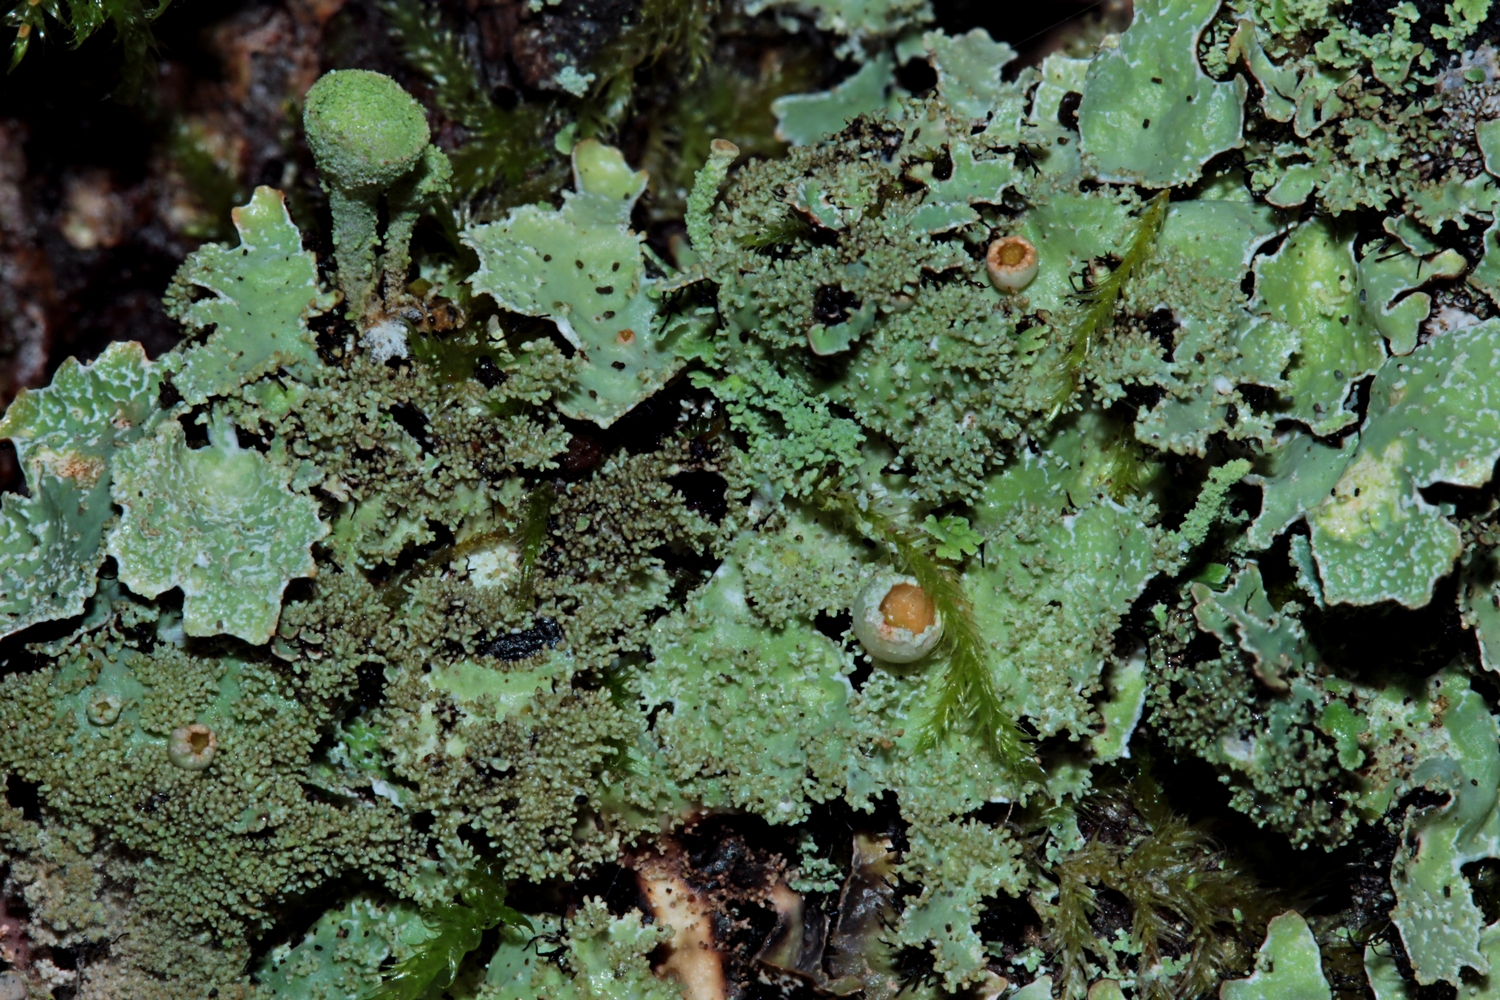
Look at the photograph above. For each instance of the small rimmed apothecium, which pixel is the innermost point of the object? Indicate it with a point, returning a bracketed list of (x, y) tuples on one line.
[(103, 708), (192, 747), (896, 621), (1012, 263)]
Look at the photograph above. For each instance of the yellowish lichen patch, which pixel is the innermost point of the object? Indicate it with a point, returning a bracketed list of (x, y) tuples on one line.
[(1367, 496), (84, 470)]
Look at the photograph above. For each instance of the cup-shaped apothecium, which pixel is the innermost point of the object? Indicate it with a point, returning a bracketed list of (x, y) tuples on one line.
[(896, 621), (1011, 262)]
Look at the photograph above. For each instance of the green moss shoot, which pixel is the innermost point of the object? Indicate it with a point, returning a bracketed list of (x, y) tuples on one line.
[(1184, 892), (533, 536), (500, 148), (966, 696), (1099, 301), (457, 929), (786, 228)]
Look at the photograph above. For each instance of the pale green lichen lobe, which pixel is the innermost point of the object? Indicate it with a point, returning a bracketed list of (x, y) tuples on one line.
[(217, 522)]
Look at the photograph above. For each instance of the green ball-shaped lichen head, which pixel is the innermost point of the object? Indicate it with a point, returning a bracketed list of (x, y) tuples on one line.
[(364, 130)]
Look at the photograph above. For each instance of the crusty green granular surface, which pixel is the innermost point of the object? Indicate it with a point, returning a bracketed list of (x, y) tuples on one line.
[(490, 636)]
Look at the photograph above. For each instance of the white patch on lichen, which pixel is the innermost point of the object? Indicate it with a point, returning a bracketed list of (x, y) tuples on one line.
[(1367, 496), (1238, 749), (1448, 319), (494, 566), (386, 790), (692, 958), (385, 340), (53, 975)]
